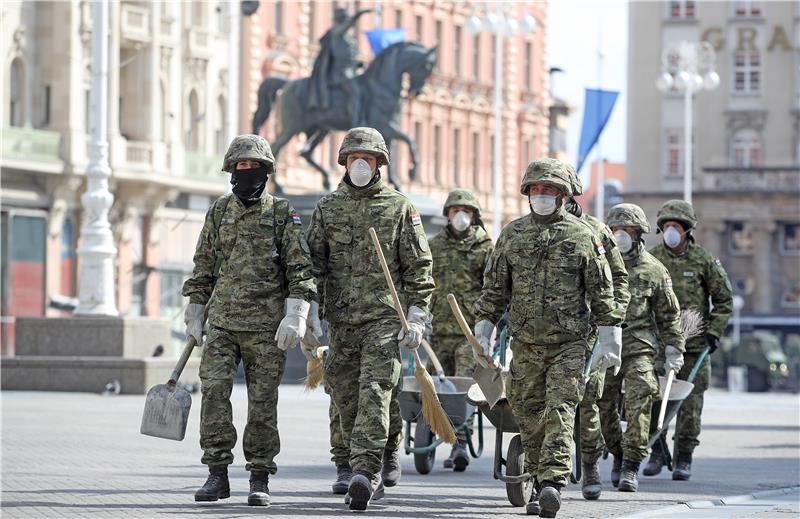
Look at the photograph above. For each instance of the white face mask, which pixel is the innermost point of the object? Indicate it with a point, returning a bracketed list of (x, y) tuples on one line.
[(542, 204), (672, 238), (461, 221), (624, 241), (360, 173)]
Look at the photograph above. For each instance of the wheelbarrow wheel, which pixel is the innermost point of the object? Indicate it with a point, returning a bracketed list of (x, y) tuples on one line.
[(423, 437), (518, 493)]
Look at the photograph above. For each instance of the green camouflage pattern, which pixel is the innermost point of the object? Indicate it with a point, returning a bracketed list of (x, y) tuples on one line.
[(349, 276), (628, 215), (615, 262), (546, 385), (554, 275), (697, 277), (263, 367), (548, 171), (688, 423), (654, 315), (251, 259), (458, 264), (591, 432), (363, 370), (641, 387), (463, 197), (577, 185), (678, 210), (365, 140), (248, 147)]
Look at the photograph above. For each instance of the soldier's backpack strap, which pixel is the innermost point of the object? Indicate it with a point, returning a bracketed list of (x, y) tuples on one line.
[(216, 218), (280, 209)]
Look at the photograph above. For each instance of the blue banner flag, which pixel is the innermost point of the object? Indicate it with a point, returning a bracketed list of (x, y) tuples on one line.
[(379, 39), (597, 108)]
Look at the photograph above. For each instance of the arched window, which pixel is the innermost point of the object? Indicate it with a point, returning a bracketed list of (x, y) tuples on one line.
[(746, 149), (16, 108), (221, 132), (193, 124)]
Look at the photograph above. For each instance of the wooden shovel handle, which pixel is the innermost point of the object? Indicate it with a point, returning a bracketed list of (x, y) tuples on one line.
[(665, 399), (462, 323), (191, 342)]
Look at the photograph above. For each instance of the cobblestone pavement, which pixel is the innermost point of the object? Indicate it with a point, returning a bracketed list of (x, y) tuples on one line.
[(81, 455)]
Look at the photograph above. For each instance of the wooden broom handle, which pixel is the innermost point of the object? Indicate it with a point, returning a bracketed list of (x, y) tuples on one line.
[(434, 359), (462, 323)]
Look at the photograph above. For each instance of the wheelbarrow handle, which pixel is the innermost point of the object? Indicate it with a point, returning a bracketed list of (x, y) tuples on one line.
[(187, 351)]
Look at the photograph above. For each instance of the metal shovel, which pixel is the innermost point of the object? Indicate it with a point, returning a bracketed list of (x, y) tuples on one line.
[(166, 408)]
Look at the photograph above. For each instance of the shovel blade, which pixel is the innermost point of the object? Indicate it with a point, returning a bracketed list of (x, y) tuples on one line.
[(490, 380), (166, 411)]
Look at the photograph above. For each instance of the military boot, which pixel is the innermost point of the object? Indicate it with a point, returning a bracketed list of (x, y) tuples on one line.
[(615, 468), (343, 475), (360, 490), (683, 467), (216, 486), (591, 486), (532, 508), (656, 462), (549, 499), (628, 481), (390, 469), (448, 463), (460, 456), (259, 488)]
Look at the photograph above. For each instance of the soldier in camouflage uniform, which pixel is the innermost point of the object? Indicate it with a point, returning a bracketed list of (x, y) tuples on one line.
[(549, 268), (590, 433), (460, 251), (698, 279), (653, 318), (363, 367), (250, 256)]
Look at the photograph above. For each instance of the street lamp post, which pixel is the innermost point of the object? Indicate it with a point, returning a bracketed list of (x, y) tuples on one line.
[(500, 24), (96, 294), (687, 67)]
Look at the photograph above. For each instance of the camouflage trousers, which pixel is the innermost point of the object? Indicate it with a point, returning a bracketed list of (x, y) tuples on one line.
[(641, 387), (362, 371), (688, 425), (340, 451), (591, 432), (455, 355), (546, 387), (263, 367)]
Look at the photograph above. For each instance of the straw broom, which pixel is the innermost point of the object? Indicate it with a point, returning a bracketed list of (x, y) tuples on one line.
[(432, 409), (314, 371), (692, 324)]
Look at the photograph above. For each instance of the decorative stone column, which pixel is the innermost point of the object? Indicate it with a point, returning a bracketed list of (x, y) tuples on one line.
[(764, 247)]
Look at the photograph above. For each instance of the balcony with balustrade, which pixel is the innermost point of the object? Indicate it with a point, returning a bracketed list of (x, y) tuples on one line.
[(781, 179)]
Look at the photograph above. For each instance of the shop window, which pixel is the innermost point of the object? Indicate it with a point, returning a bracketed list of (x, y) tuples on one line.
[(790, 239)]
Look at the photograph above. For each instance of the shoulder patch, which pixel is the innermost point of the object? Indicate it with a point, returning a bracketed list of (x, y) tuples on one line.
[(667, 280), (568, 247), (422, 241), (415, 219), (296, 218), (717, 262), (600, 249)]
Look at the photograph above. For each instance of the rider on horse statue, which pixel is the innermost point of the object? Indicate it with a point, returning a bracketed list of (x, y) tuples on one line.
[(336, 65)]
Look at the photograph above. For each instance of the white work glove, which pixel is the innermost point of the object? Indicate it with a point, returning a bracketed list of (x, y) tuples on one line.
[(194, 316), (483, 332), (314, 324), (416, 317), (309, 344), (674, 358), (293, 325), (608, 352)]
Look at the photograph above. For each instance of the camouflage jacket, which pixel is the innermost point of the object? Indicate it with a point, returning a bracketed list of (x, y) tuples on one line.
[(352, 287), (458, 265), (654, 315), (247, 261), (620, 276), (697, 277), (554, 275)]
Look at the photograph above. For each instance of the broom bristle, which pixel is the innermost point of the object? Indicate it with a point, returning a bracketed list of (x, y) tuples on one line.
[(692, 323), (432, 409), (314, 374)]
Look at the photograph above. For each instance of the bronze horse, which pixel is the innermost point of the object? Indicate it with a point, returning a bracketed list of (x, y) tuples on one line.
[(381, 87)]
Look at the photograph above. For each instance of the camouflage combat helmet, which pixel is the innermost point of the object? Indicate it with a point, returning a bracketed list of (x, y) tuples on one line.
[(628, 215), (548, 171), (249, 147), (365, 140), (677, 210), (577, 185), (463, 197)]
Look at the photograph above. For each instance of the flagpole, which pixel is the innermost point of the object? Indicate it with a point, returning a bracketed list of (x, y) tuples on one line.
[(600, 179)]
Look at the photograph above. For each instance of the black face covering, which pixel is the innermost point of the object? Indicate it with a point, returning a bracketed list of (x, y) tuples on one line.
[(248, 184)]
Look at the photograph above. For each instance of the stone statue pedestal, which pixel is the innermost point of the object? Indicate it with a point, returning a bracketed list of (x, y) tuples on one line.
[(86, 353)]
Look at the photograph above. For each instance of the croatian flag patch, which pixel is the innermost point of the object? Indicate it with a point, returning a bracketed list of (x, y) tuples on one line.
[(668, 281), (717, 262), (600, 249), (415, 219), (296, 219)]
